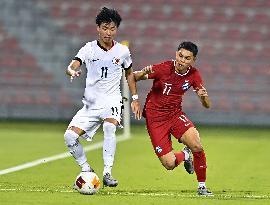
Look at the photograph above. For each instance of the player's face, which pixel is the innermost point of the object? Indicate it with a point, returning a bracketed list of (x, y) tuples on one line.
[(184, 59), (107, 32)]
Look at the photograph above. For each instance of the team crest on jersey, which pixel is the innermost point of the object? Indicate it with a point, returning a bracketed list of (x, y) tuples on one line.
[(116, 61), (158, 149), (186, 85)]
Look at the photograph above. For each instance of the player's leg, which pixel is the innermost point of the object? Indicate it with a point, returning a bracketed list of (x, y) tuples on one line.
[(191, 139), (84, 123), (179, 125), (109, 149), (172, 159), (71, 137), (112, 117), (159, 132)]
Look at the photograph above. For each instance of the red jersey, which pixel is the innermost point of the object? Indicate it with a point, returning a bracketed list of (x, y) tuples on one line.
[(165, 97)]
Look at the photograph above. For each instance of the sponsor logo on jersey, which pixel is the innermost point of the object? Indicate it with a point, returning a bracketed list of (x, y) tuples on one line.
[(186, 85), (116, 61), (94, 60), (158, 149)]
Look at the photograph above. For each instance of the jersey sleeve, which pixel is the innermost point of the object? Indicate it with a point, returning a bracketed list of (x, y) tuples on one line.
[(156, 71), (127, 62), (198, 82), (82, 54)]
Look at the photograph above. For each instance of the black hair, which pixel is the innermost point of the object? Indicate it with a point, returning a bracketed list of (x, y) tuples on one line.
[(107, 16), (189, 46)]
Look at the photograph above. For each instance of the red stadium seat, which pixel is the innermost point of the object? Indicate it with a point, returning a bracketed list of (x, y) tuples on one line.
[(74, 12), (265, 3), (136, 13), (10, 44), (232, 52), (265, 53), (159, 14), (209, 50), (262, 69), (234, 34), (213, 33), (73, 28), (225, 69), (255, 35), (213, 3), (22, 98), (173, 32), (240, 17), (251, 3), (191, 104), (220, 17), (251, 53), (63, 99), (153, 31), (232, 3), (245, 104), (178, 15), (132, 31), (200, 15), (244, 69), (206, 68), (222, 104), (194, 32), (43, 98), (261, 18), (56, 11), (27, 61), (7, 63), (263, 105)]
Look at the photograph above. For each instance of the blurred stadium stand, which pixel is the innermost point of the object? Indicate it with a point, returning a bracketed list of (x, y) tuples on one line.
[(38, 38)]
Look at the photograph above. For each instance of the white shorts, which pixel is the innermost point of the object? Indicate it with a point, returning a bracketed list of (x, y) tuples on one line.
[(89, 118)]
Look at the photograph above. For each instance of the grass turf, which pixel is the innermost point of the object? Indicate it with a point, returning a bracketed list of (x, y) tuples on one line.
[(238, 168)]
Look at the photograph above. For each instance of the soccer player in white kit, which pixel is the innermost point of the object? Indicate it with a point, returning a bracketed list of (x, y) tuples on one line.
[(104, 59)]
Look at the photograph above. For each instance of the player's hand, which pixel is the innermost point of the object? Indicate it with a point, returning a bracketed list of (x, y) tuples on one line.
[(202, 92), (148, 69), (73, 74), (136, 109)]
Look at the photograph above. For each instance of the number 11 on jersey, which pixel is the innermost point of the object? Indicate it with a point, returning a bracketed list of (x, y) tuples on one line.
[(104, 71), (167, 88)]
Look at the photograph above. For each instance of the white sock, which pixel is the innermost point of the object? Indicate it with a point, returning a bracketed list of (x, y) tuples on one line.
[(76, 149), (201, 184), (109, 146), (86, 167), (186, 155)]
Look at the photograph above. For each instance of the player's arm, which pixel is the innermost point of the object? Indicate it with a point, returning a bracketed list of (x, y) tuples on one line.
[(135, 104), (203, 95), (143, 74), (72, 69)]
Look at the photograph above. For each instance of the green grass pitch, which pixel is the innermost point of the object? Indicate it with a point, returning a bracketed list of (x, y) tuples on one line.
[(238, 168)]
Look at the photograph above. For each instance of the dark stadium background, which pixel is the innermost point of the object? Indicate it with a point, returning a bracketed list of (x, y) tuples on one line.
[(38, 38)]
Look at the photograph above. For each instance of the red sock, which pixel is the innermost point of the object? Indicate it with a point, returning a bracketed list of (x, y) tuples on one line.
[(200, 165), (179, 157)]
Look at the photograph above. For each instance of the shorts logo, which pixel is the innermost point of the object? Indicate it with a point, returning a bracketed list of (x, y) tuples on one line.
[(186, 85), (158, 149)]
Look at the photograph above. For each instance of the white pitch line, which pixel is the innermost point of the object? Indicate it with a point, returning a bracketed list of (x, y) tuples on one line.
[(56, 157), (154, 194)]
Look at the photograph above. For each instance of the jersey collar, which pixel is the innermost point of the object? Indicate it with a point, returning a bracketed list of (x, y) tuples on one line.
[(105, 49), (181, 74)]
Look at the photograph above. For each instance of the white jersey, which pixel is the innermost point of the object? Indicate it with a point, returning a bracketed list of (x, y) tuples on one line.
[(104, 71)]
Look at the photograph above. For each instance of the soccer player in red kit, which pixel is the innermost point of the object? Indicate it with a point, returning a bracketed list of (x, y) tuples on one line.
[(164, 115)]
